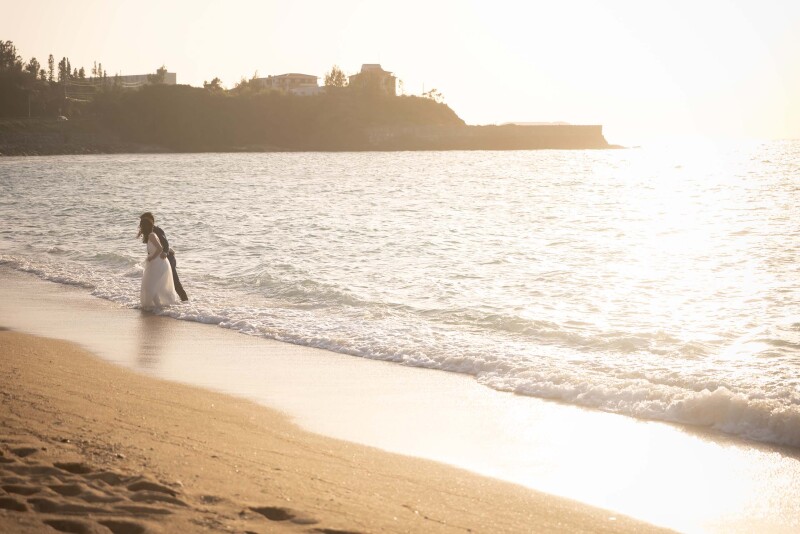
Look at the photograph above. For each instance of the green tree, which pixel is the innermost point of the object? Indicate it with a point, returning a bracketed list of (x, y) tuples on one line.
[(51, 69), (335, 78), (63, 70), (33, 67), (252, 86), (82, 74), (434, 95), (242, 85), (9, 60), (215, 85), (18, 82)]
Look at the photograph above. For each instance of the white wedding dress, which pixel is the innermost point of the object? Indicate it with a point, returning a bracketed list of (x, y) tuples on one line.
[(158, 289)]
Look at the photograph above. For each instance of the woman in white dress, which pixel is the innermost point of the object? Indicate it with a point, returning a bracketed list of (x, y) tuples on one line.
[(158, 289)]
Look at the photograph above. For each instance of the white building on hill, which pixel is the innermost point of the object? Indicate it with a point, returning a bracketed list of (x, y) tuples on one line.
[(297, 84), (170, 78)]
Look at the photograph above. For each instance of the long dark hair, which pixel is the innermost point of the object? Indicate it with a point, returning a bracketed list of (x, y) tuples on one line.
[(145, 226)]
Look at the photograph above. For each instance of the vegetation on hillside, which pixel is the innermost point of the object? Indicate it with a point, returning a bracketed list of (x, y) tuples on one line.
[(198, 119), (34, 90), (184, 118)]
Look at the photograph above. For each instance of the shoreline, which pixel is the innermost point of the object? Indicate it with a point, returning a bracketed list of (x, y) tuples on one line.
[(44, 137), (138, 453), (662, 474), (90, 150)]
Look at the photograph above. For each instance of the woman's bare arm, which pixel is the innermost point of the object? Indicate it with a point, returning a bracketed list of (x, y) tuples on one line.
[(154, 240)]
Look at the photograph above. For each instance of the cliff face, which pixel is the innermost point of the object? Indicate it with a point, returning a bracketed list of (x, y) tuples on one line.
[(506, 137)]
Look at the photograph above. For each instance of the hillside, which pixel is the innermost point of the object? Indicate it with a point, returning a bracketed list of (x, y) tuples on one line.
[(184, 118), (180, 118)]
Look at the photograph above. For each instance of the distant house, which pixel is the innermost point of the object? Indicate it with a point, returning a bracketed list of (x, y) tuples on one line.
[(373, 77), (298, 84)]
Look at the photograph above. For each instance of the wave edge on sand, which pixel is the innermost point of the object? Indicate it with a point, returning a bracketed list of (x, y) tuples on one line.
[(82, 436)]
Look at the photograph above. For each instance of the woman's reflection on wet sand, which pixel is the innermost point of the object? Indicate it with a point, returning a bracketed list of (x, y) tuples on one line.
[(153, 340)]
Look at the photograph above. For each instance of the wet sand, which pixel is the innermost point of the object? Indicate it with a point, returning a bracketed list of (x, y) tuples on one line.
[(668, 475), (88, 446)]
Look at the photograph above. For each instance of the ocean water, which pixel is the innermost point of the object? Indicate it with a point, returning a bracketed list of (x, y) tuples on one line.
[(660, 283)]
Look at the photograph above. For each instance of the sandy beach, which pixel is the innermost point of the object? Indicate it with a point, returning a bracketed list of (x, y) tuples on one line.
[(88, 446), (357, 445)]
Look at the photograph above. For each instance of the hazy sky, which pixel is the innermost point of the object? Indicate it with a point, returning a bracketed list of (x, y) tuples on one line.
[(640, 68)]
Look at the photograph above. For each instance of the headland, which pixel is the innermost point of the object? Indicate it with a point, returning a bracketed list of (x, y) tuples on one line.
[(176, 118)]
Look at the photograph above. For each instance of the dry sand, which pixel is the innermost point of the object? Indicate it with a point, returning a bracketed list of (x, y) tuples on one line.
[(87, 446)]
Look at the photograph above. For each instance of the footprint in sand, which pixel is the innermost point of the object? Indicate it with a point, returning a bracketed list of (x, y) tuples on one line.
[(61, 494), (23, 452), (21, 489), (10, 503), (284, 514), (124, 527), (274, 513), (77, 526)]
